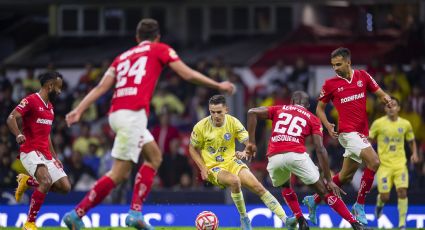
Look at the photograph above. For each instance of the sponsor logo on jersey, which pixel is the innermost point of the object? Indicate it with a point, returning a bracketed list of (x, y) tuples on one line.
[(239, 162), (360, 83), (215, 169), (44, 121), (400, 130), (227, 136), (340, 89), (40, 109), (128, 91), (219, 158), (211, 150), (352, 98)]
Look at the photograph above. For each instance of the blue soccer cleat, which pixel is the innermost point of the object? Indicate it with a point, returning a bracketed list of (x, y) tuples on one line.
[(291, 223), (312, 208), (358, 212), (73, 221), (246, 223), (136, 220)]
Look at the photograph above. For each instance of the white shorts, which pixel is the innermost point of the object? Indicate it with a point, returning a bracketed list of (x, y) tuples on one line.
[(281, 166), (31, 160), (353, 144), (131, 133)]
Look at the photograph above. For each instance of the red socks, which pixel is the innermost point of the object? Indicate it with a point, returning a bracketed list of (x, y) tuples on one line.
[(336, 180), (365, 185), (32, 182), (37, 200), (291, 200), (339, 206), (99, 191), (142, 186)]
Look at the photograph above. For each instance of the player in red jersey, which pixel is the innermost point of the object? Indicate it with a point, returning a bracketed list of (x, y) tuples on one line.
[(36, 149), (287, 154), (134, 74), (348, 91)]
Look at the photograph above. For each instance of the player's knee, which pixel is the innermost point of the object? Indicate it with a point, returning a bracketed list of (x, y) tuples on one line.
[(385, 198), (154, 160), (235, 182), (44, 182), (375, 164), (65, 188), (402, 193)]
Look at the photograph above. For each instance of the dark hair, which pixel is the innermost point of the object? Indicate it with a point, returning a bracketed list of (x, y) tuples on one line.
[(217, 99), (396, 100), (341, 51), (47, 76), (147, 29), (300, 98)]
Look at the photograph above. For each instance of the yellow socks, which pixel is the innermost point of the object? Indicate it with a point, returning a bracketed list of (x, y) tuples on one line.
[(402, 211), (273, 204), (239, 202)]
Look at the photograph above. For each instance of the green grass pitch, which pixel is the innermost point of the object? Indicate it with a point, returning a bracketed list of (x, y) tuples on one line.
[(179, 228)]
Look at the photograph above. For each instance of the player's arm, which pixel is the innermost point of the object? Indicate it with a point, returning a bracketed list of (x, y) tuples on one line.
[(412, 145), (322, 156), (57, 162), (320, 112), (104, 85), (253, 115), (195, 154), (12, 122), (194, 76), (383, 97)]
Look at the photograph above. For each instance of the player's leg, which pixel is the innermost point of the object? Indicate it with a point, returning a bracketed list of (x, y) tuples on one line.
[(24, 182), (228, 179), (248, 180), (336, 203), (401, 181), (384, 177)]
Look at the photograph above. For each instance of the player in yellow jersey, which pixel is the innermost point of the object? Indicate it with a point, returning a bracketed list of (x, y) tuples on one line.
[(212, 147), (390, 132)]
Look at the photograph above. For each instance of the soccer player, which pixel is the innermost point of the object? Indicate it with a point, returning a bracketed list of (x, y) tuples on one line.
[(287, 154), (348, 91), (134, 75), (390, 132), (36, 149), (212, 147)]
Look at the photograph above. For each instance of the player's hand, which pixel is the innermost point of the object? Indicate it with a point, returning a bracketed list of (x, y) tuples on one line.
[(388, 101), (204, 173), (20, 139), (331, 130), (228, 87), (251, 149), (332, 187), (414, 158), (241, 155), (72, 117)]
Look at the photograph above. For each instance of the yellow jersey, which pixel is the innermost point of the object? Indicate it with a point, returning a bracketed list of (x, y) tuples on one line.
[(217, 144), (390, 136)]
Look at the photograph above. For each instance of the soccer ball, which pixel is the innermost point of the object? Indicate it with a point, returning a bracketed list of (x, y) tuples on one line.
[(206, 220)]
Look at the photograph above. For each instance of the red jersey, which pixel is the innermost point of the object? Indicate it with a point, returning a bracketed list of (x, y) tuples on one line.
[(137, 71), (37, 119), (349, 98), (291, 125)]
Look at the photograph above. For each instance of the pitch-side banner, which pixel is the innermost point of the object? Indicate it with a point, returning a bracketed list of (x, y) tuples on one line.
[(184, 215)]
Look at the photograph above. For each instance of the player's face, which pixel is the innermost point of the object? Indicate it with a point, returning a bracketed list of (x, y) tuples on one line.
[(55, 89), (341, 66), (393, 111), (218, 113)]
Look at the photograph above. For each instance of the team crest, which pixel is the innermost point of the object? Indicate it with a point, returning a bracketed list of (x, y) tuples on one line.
[(400, 130), (219, 158), (227, 136), (360, 83)]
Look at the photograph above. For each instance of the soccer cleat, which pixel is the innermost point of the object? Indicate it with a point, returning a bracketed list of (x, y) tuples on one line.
[(357, 226), (136, 220), (29, 226), (402, 227), (73, 221), (312, 207), (291, 223), (358, 212), (378, 211), (302, 224), (246, 223), (22, 186)]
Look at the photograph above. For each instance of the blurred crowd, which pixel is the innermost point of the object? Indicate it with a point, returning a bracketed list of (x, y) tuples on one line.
[(85, 148)]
